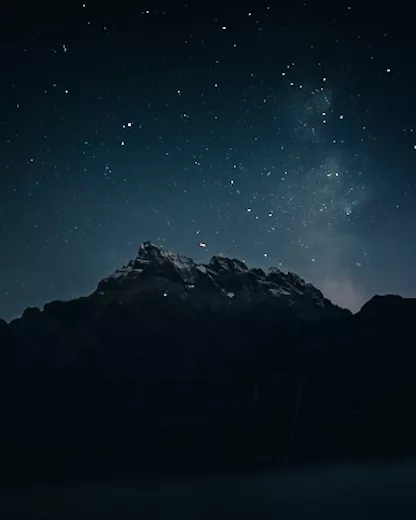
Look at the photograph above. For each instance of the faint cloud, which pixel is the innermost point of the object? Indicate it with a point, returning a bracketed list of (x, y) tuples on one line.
[(344, 292)]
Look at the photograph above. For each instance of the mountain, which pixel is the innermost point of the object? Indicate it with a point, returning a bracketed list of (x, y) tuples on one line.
[(169, 361), (223, 283)]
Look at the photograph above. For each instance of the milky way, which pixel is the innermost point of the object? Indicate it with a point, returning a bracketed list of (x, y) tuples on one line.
[(280, 135), (320, 189)]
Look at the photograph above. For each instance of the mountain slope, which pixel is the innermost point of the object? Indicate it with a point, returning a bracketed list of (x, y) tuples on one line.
[(223, 282), (169, 360)]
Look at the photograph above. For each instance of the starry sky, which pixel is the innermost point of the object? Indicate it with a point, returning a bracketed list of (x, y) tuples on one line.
[(283, 134)]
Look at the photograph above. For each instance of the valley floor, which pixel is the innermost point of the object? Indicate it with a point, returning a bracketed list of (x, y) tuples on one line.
[(343, 492)]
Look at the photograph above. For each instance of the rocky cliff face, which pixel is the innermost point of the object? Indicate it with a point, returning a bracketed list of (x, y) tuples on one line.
[(170, 360), (222, 283)]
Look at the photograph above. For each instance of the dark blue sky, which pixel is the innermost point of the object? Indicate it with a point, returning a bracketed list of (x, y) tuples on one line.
[(283, 135)]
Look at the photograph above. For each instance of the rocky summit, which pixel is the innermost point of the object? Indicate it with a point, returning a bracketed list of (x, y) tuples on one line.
[(170, 362), (224, 283)]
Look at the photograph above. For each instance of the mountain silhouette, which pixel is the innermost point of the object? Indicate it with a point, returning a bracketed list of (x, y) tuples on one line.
[(169, 363)]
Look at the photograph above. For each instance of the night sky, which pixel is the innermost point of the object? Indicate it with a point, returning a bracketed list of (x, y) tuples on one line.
[(283, 134)]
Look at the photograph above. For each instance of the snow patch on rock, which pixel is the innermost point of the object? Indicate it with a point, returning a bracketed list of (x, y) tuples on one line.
[(278, 292)]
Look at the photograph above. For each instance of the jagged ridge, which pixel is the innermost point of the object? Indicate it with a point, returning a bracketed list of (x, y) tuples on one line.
[(170, 359), (224, 280)]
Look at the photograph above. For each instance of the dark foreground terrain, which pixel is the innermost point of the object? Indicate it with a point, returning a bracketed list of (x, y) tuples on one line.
[(170, 364), (344, 492)]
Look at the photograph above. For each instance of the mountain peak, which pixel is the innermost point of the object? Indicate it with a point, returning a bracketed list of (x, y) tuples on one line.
[(149, 250), (155, 257), (184, 347), (223, 282), (152, 253), (223, 262), (146, 247)]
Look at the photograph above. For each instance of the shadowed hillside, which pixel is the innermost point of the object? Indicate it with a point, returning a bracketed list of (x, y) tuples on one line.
[(170, 363)]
